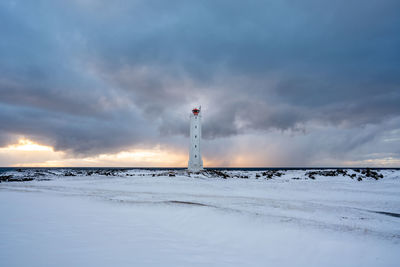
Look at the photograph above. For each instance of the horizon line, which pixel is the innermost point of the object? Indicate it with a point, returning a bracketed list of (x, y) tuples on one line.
[(166, 168)]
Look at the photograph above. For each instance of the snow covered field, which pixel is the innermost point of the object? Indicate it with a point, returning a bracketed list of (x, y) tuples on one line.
[(153, 218)]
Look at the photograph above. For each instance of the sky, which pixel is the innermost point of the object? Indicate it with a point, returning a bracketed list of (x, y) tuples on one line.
[(282, 83)]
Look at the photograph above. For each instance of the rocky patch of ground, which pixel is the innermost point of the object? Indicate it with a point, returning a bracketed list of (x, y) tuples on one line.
[(28, 174)]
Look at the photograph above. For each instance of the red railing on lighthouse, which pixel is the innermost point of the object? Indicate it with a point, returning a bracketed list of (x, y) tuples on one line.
[(196, 111)]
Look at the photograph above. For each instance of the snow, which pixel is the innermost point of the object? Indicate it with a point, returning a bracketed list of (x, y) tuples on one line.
[(132, 218)]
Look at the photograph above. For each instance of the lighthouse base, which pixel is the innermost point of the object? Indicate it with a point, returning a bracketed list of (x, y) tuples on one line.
[(192, 167)]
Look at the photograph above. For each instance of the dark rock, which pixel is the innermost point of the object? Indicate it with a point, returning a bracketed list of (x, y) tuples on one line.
[(372, 174), (218, 173), (5, 178), (10, 178)]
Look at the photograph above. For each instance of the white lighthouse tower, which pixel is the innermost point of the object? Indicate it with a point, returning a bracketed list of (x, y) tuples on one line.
[(195, 162)]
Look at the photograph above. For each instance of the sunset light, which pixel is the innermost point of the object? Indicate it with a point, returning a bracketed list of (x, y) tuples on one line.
[(200, 133), (26, 145), (28, 153)]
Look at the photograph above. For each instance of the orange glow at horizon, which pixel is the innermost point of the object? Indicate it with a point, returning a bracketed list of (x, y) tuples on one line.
[(26, 145), (27, 153)]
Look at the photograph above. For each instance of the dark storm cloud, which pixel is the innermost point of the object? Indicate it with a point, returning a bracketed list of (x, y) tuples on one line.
[(109, 74), (83, 135)]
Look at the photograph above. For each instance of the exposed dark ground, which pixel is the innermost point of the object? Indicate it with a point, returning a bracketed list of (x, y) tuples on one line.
[(29, 174)]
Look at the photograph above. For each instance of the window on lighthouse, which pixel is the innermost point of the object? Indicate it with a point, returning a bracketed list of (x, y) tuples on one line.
[(195, 156), (195, 136), (195, 126), (195, 146)]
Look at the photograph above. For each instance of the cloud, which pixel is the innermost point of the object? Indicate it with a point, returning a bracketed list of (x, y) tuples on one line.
[(90, 77)]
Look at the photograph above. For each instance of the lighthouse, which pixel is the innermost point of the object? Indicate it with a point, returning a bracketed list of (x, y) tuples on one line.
[(195, 162)]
